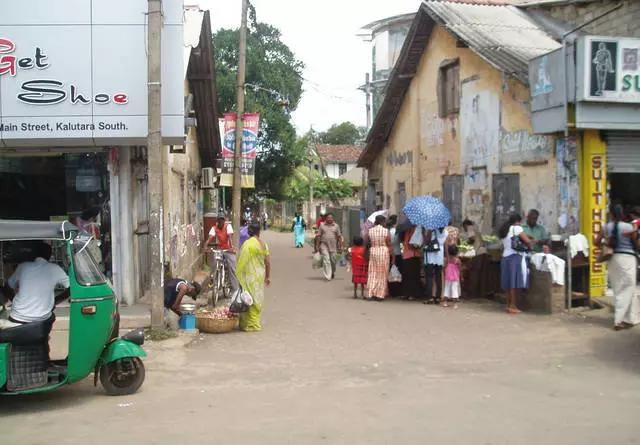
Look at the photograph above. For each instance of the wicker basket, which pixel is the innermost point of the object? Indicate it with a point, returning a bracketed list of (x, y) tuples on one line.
[(215, 325)]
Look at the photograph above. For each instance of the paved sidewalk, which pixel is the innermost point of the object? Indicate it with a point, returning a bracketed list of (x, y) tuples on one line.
[(329, 369)]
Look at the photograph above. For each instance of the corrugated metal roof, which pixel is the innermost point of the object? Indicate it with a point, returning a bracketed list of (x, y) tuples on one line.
[(526, 3), (201, 74), (502, 35), (192, 18)]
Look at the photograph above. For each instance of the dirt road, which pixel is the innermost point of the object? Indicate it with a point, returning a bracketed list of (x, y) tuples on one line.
[(330, 369)]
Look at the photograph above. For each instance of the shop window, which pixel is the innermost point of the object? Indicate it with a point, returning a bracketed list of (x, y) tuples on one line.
[(342, 168), (449, 88)]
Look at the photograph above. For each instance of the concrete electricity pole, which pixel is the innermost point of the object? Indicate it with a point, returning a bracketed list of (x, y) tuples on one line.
[(363, 197), (155, 153), (310, 155), (237, 152)]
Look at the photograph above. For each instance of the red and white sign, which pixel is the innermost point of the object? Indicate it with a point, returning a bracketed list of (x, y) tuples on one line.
[(75, 73)]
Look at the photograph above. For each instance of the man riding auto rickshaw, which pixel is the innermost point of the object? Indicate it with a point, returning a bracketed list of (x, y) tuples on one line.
[(34, 248)]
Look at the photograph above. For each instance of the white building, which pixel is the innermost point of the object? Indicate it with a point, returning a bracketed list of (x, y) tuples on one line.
[(338, 159)]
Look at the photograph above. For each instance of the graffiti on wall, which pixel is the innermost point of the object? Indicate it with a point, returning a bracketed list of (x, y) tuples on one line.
[(521, 146), (395, 158), (475, 179), (480, 125), (433, 128), (568, 184)]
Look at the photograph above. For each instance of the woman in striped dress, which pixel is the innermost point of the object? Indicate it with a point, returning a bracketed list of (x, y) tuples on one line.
[(379, 258)]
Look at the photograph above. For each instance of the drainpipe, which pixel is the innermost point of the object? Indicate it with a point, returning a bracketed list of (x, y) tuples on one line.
[(569, 292)]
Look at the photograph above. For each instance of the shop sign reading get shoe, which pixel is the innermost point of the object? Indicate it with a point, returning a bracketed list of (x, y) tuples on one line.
[(75, 73)]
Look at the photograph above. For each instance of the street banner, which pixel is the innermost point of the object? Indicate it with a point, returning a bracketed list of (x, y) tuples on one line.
[(249, 149)]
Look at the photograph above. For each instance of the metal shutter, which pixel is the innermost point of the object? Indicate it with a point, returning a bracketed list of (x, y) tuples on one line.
[(623, 152)]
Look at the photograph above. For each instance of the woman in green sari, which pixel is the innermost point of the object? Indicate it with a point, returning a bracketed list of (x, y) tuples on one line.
[(253, 272)]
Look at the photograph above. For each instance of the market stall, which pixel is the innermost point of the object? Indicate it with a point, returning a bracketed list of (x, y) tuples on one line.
[(548, 273), (481, 267)]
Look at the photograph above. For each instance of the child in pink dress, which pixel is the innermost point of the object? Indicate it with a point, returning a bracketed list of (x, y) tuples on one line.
[(452, 276)]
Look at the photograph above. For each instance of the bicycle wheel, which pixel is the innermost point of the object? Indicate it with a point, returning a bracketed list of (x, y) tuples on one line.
[(218, 290), (226, 288)]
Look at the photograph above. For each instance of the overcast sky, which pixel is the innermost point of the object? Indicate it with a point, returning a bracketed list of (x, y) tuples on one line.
[(323, 35)]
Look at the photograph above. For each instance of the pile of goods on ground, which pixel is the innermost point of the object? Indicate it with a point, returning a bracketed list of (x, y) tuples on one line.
[(216, 321), (219, 313)]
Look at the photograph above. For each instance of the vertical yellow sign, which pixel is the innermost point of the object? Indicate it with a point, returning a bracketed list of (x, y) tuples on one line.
[(594, 187)]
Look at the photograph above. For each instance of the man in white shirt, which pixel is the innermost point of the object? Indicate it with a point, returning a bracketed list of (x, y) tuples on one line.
[(34, 283)]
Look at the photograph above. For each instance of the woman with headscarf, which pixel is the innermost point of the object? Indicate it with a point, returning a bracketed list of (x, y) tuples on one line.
[(254, 273), (298, 230), (622, 269)]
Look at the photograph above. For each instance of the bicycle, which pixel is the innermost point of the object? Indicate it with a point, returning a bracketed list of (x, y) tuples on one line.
[(219, 277)]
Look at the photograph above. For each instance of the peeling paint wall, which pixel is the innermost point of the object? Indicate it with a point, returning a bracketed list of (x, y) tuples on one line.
[(183, 209), (568, 184), (480, 122), (490, 135)]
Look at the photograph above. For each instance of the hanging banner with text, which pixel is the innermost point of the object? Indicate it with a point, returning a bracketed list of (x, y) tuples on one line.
[(249, 149)]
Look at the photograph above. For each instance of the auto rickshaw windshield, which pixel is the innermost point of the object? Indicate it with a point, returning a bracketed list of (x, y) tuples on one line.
[(85, 264)]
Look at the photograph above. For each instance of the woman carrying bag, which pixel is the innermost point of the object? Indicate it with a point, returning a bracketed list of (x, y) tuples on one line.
[(622, 240)]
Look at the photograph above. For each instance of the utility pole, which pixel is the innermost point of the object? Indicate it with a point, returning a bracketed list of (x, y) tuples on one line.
[(155, 153), (237, 151), (309, 154), (363, 196)]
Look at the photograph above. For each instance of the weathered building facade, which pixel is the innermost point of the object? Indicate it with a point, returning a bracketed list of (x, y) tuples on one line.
[(588, 91), (456, 121)]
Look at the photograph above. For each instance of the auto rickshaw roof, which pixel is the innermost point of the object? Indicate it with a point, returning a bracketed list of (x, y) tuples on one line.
[(11, 229)]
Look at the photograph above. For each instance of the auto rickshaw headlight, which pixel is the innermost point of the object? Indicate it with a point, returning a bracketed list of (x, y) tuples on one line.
[(136, 336)]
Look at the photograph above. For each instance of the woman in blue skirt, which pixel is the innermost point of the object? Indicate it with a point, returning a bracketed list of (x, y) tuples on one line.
[(513, 268)]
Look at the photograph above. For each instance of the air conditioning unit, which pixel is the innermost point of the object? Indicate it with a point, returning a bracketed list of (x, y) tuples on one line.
[(208, 178)]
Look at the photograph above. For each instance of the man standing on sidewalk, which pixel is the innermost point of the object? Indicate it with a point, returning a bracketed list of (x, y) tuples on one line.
[(329, 242)]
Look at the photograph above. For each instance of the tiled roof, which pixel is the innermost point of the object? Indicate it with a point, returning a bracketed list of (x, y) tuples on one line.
[(339, 153)]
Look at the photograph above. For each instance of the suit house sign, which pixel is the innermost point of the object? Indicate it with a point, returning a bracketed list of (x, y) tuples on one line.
[(75, 73), (609, 69)]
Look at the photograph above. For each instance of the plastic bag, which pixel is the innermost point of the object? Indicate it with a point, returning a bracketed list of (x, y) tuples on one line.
[(417, 239), (394, 275), (317, 261), (342, 260), (241, 301)]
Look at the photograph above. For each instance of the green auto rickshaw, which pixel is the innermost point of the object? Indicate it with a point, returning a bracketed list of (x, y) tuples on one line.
[(94, 342)]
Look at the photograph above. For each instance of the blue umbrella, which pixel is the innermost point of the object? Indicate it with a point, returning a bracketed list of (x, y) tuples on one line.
[(427, 211)]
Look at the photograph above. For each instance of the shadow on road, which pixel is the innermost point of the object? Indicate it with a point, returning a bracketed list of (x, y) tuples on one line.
[(57, 399), (619, 349)]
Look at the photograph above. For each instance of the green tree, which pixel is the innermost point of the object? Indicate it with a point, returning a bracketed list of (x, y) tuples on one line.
[(296, 187), (345, 133), (273, 67)]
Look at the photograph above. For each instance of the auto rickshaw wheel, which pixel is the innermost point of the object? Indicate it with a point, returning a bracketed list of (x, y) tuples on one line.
[(122, 377)]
